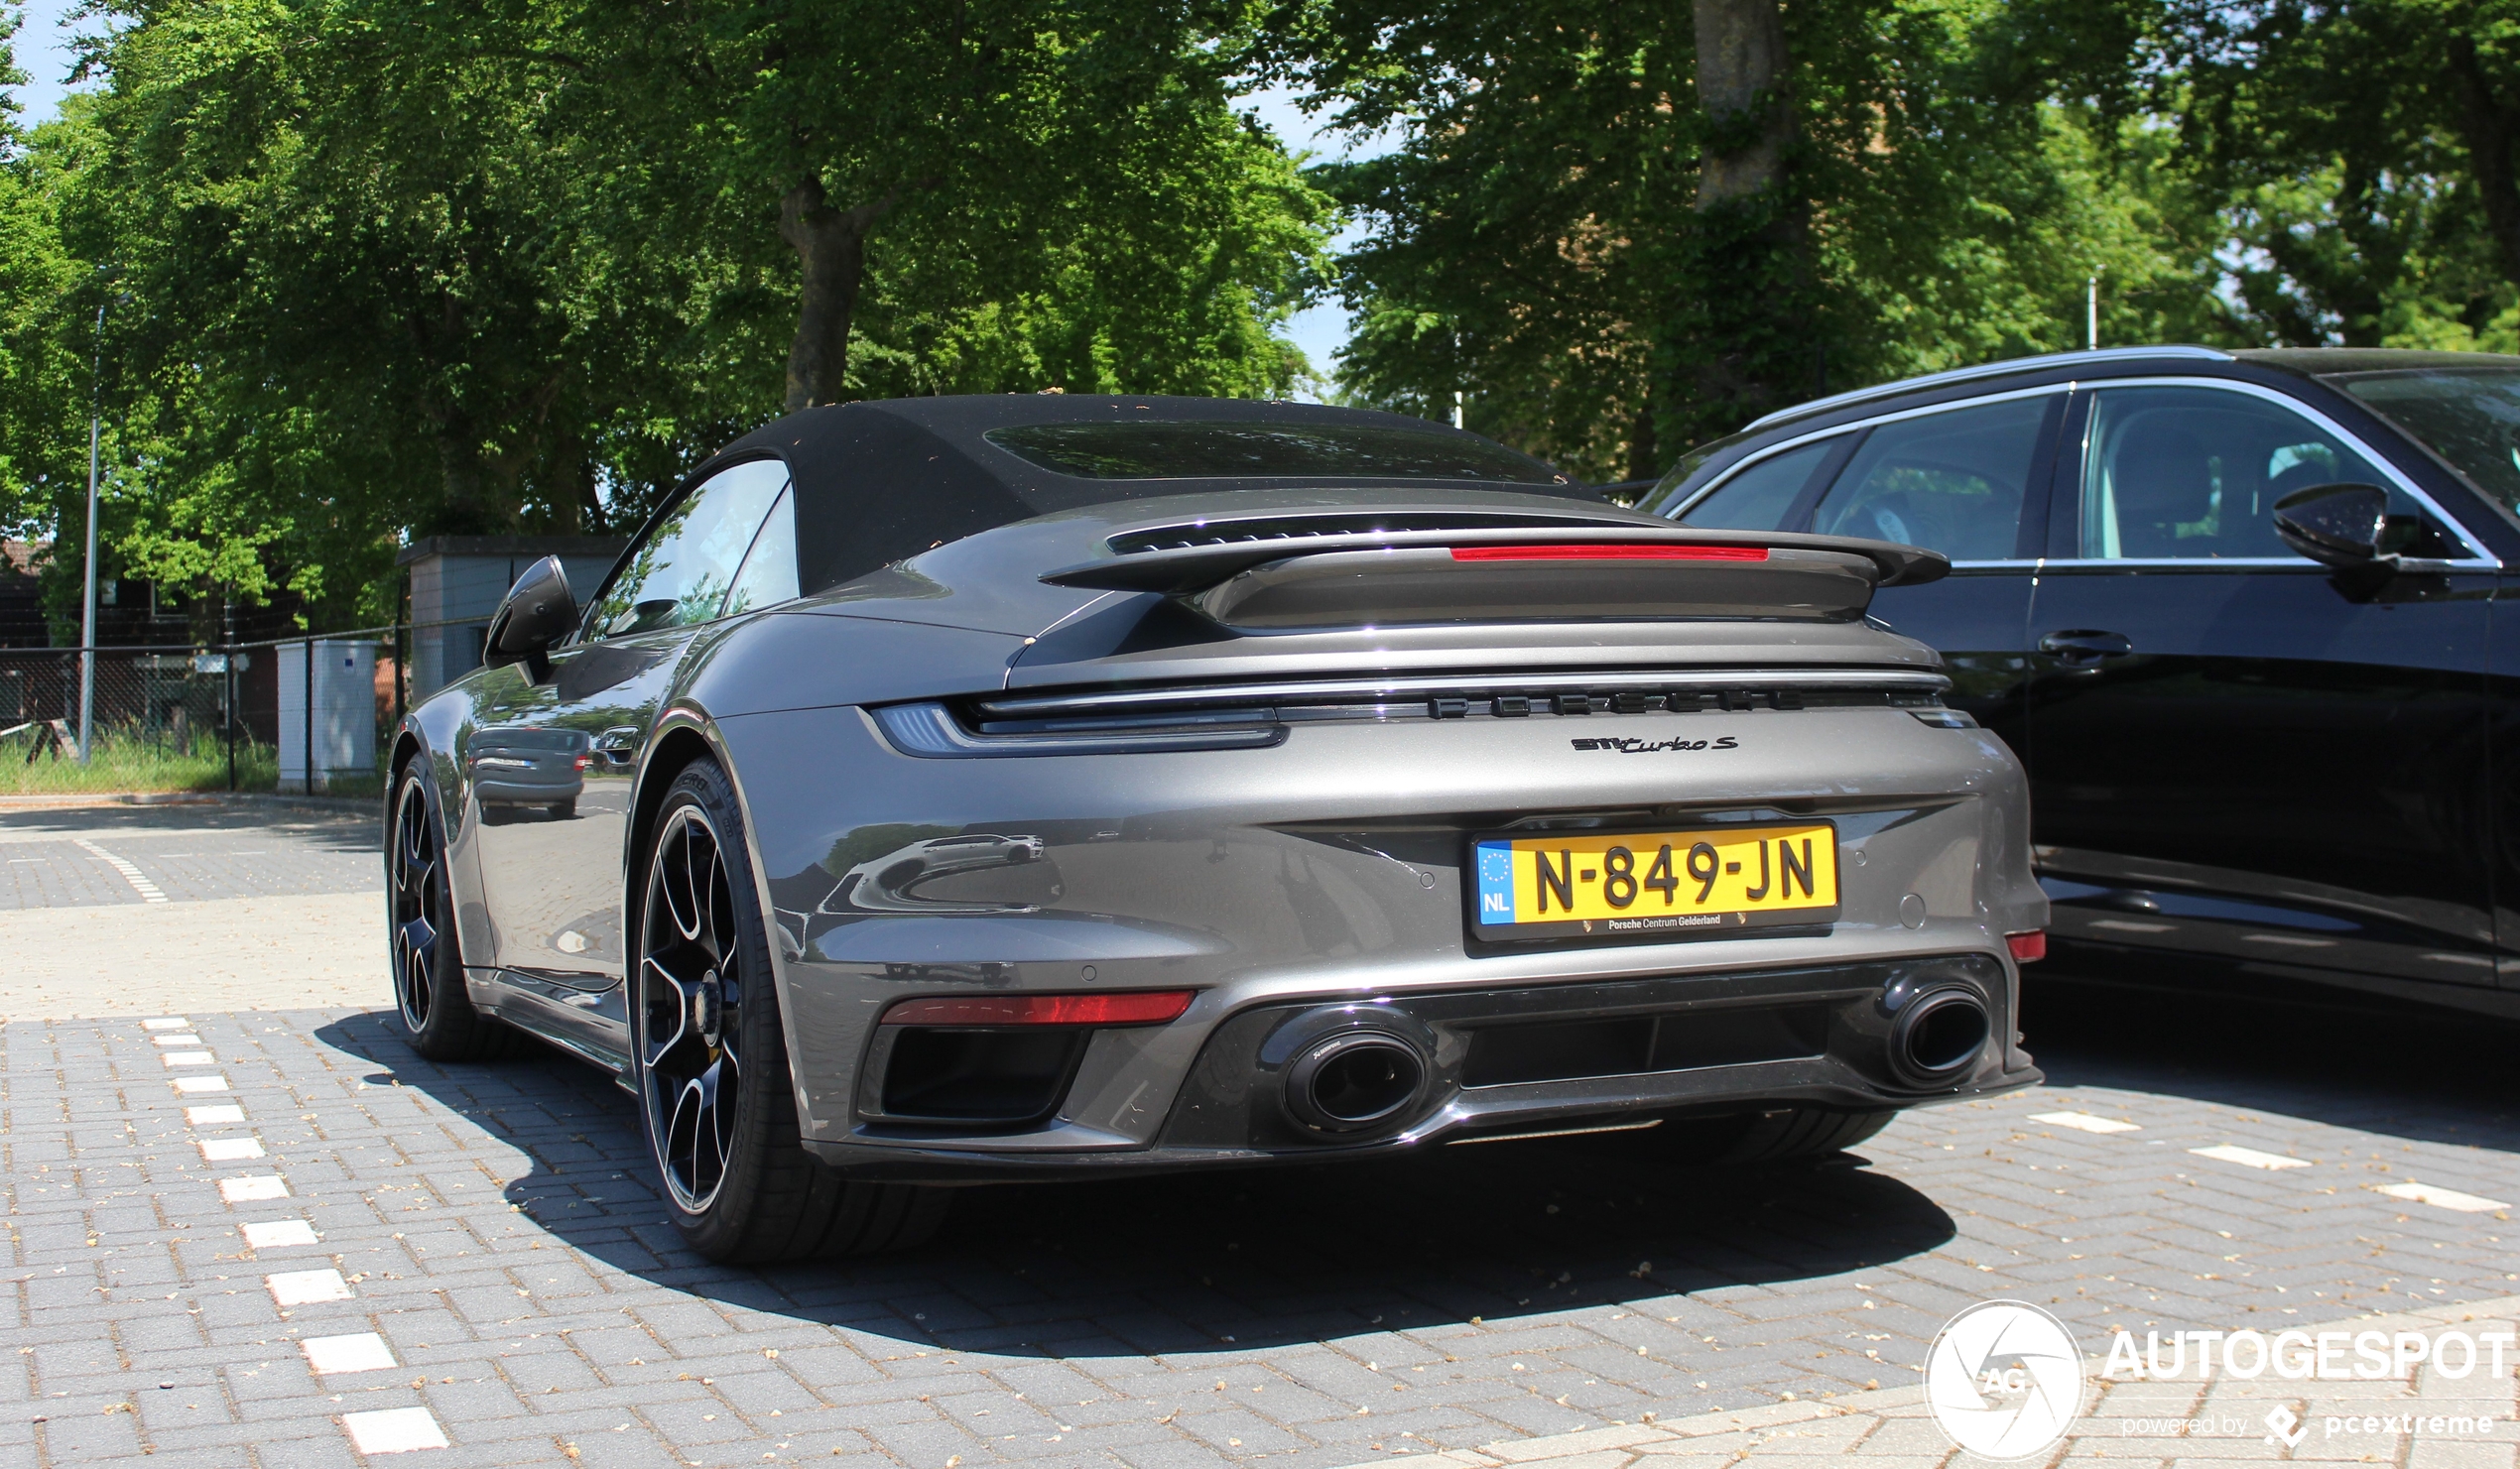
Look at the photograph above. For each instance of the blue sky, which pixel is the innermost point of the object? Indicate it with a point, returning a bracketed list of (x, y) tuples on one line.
[(44, 54)]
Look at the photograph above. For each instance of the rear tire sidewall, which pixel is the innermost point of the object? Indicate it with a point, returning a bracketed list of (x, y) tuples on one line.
[(717, 1228)]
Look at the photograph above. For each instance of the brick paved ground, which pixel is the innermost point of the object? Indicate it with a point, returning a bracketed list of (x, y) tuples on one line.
[(493, 1227)]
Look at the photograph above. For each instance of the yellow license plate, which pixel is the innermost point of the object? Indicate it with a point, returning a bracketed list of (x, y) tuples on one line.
[(1675, 884)]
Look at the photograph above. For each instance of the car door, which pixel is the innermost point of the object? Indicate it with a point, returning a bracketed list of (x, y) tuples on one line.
[(1968, 479), (2240, 754), (552, 882)]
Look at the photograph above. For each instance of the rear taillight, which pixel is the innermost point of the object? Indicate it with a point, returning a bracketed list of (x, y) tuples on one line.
[(2027, 949), (579, 762), (1601, 553), (1135, 1008)]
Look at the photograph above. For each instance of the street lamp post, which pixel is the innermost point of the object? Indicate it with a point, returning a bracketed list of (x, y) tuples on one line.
[(87, 616)]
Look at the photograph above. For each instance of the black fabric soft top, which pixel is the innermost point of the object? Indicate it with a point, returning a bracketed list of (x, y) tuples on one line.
[(876, 482)]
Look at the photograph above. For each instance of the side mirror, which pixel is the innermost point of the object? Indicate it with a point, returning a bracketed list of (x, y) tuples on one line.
[(537, 613), (2335, 524)]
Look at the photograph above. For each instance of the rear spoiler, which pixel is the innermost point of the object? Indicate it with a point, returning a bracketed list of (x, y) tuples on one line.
[(1514, 573)]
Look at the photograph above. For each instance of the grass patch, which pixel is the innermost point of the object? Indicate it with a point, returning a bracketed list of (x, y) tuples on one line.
[(125, 759)]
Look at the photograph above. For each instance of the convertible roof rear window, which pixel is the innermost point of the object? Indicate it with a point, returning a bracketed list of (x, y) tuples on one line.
[(1214, 451)]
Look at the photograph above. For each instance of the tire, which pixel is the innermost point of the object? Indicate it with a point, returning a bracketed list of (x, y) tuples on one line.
[(564, 811), (1802, 1132), (710, 1058), (437, 1012)]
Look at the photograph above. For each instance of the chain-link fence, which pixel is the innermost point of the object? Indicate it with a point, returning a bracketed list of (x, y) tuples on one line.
[(293, 714)]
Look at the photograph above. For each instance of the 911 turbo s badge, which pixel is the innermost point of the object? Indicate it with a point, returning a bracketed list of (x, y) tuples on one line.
[(1647, 747)]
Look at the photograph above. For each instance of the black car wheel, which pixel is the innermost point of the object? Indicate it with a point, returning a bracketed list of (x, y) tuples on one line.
[(437, 1015), (564, 810), (712, 1061)]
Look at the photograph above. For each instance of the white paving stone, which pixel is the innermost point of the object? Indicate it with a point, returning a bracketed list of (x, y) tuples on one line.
[(230, 1150), (191, 1059), (2085, 1122), (200, 1083), (308, 1287), (249, 1189), (167, 1023), (393, 1431), (2440, 1197), (364, 1352), (275, 1234), (216, 1113), (2249, 1158)]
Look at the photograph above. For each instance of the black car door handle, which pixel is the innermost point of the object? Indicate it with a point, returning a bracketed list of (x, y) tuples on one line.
[(2081, 646)]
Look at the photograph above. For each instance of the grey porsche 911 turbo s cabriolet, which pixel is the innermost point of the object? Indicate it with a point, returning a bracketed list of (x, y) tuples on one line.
[(993, 788)]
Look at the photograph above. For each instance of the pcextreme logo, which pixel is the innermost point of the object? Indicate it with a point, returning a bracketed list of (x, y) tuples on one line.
[(2004, 1380)]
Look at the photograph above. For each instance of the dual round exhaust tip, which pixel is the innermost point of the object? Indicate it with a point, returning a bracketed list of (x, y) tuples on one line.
[(1352, 1076)]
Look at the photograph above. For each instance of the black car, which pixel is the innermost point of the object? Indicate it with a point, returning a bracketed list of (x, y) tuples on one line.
[(2240, 614)]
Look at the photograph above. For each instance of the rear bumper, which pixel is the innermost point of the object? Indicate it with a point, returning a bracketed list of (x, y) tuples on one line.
[(1523, 1061), (528, 792)]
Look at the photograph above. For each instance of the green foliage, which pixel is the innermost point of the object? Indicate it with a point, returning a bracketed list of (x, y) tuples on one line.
[(380, 269)]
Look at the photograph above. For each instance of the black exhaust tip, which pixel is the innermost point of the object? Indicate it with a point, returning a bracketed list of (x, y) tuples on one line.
[(1354, 1080), (1938, 1037)]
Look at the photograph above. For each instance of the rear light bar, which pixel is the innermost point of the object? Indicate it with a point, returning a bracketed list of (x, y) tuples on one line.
[(1134, 1008), (579, 762), (2027, 949), (1598, 553)]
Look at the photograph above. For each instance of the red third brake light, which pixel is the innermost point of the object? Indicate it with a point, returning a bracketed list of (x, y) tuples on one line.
[(2028, 948), (1598, 553), (1135, 1008)]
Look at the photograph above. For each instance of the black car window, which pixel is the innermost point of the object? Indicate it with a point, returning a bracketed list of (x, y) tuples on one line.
[(1761, 496), (2469, 415), (1951, 481), (680, 574), (1195, 450), (2194, 473), (769, 573)]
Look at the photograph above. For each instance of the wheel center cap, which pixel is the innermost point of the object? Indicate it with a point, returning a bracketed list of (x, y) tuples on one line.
[(708, 1008)]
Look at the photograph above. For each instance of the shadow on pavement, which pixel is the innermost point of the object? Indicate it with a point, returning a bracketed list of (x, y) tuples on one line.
[(2403, 1071), (340, 827), (1194, 1263)]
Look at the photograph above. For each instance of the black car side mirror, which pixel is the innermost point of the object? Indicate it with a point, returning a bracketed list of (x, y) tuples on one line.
[(538, 612), (2335, 524)]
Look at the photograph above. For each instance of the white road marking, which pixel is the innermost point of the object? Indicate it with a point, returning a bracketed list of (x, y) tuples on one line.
[(230, 1150), (364, 1352), (2085, 1122), (189, 1058), (140, 883), (2439, 1197), (200, 1083), (308, 1287), (277, 1234), (167, 1023), (2249, 1158), (253, 1188), (187, 1038), (393, 1431), (202, 1116)]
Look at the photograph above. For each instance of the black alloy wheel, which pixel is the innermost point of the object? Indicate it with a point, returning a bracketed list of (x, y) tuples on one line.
[(711, 1054), (428, 990)]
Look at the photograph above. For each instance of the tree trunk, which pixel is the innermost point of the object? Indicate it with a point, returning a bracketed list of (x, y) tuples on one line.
[(2488, 123), (1741, 67), (832, 244)]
